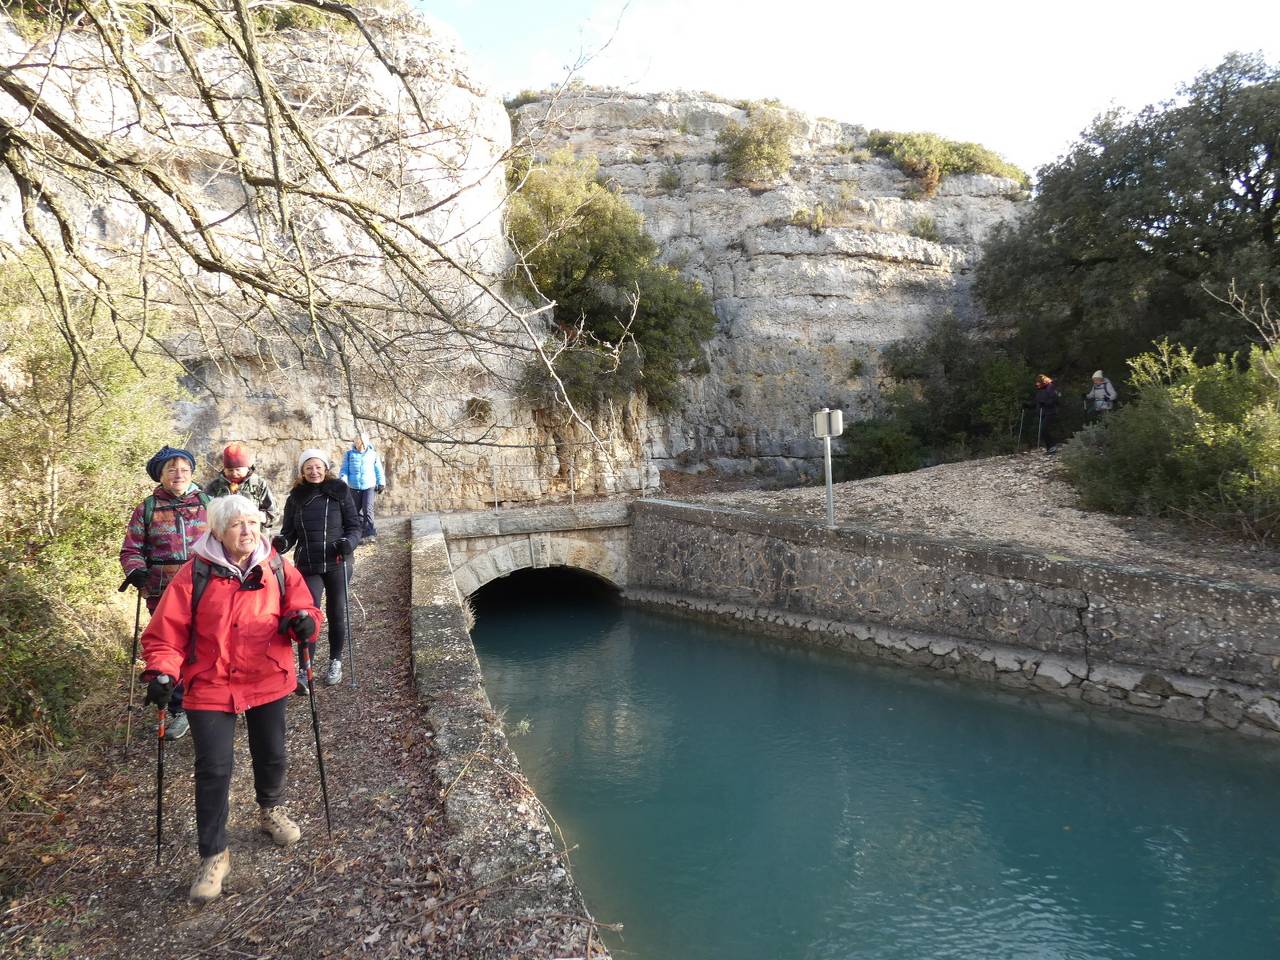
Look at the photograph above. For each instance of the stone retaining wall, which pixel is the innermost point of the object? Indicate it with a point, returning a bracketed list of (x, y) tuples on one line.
[(1181, 648), (495, 822)]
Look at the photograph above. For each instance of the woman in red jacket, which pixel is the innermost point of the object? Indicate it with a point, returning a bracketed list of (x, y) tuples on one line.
[(222, 628)]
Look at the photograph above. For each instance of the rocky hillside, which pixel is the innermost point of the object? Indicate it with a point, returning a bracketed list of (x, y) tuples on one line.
[(811, 276)]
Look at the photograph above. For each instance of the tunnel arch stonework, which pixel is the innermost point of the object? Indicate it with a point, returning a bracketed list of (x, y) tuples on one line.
[(540, 551), (590, 537)]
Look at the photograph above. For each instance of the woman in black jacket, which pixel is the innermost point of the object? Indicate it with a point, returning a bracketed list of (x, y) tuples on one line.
[(322, 525)]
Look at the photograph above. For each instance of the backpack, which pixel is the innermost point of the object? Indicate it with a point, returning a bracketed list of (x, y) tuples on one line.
[(201, 570)]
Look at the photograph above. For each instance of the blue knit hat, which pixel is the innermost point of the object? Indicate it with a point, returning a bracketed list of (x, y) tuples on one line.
[(163, 456)]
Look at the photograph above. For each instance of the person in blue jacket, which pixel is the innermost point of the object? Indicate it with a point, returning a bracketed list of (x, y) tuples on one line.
[(362, 472)]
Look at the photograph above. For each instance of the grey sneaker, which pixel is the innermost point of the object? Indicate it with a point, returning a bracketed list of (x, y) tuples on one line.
[(301, 688), (334, 676), (176, 727)]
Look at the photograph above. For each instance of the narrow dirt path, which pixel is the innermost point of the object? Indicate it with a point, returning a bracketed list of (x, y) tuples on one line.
[(88, 885)]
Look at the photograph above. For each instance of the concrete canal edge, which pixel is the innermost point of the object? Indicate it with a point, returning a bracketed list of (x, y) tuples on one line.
[(496, 825), (1183, 649)]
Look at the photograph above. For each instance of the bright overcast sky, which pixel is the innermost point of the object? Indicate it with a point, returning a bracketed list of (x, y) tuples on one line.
[(1020, 77)]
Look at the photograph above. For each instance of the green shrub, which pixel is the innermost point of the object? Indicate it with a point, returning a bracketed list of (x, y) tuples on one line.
[(1198, 441), (73, 438), (759, 152), (586, 249), (521, 99), (929, 157), (926, 228), (878, 446), (669, 179)]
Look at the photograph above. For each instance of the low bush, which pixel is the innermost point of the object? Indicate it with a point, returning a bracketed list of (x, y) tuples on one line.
[(74, 434), (1199, 441), (926, 228), (929, 157), (759, 152), (878, 446)]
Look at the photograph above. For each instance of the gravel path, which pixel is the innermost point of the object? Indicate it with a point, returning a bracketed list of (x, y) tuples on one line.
[(84, 871), (1020, 502)]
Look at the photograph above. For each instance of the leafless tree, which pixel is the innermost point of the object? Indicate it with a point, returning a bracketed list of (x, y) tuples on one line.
[(328, 197)]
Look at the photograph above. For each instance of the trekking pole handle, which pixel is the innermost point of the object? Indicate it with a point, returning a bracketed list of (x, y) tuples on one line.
[(163, 680)]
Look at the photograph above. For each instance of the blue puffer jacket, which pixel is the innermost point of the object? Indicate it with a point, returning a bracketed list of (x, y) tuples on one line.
[(362, 470)]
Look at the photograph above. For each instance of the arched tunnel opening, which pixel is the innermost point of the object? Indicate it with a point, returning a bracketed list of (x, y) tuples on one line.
[(544, 590)]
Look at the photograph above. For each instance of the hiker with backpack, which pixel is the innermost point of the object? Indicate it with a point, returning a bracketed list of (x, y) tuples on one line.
[(1101, 396), (224, 628), (158, 541), (362, 472), (238, 476), (322, 527)]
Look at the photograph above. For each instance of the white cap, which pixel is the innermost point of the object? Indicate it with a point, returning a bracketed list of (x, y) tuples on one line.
[(1097, 375), (313, 453)]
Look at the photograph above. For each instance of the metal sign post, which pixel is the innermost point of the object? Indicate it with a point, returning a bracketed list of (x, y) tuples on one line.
[(828, 423)]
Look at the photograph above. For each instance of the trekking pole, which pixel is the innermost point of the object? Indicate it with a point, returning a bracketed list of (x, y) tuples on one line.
[(346, 618), (160, 718), (1021, 413), (1040, 428), (133, 658), (315, 728)]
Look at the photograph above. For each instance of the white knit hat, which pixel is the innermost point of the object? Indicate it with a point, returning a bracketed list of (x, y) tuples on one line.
[(314, 453), (1097, 375)]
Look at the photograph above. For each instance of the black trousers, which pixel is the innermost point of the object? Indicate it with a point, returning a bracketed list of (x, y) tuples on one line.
[(213, 733), (330, 588)]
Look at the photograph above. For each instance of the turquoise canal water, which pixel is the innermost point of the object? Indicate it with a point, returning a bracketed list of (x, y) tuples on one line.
[(737, 799)]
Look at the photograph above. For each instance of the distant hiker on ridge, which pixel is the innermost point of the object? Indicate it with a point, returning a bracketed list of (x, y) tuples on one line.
[(1101, 396)]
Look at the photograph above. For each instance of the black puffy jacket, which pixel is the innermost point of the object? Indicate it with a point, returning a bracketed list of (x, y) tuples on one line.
[(316, 516)]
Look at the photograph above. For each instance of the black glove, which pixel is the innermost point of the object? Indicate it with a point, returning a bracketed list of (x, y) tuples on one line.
[(159, 691), (136, 579), (379, 488), (303, 627), (279, 543), (342, 547)]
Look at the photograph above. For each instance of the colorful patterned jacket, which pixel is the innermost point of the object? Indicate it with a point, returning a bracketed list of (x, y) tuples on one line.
[(163, 545)]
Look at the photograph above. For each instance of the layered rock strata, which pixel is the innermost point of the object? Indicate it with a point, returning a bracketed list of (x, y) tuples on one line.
[(811, 276)]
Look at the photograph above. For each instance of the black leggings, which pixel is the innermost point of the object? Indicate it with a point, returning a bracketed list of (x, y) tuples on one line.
[(213, 733), (330, 588)]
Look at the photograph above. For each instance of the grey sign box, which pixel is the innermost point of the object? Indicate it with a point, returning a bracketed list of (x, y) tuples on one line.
[(828, 423)]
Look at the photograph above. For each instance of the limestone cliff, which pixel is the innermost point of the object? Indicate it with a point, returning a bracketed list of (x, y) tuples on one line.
[(805, 300), (376, 291)]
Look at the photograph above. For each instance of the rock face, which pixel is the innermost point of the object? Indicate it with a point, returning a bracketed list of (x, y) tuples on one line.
[(810, 277), (806, 301), (409, 135)]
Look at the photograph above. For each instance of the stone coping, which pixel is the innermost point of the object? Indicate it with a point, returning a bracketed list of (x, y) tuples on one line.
[(495, 823), (517, 520), (1249, 602)]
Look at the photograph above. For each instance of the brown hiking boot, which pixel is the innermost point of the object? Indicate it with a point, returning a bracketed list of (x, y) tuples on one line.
[(208, 883), (276, 823)]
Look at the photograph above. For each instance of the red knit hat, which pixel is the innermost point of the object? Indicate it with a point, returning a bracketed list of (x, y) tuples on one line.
[(236, 455)]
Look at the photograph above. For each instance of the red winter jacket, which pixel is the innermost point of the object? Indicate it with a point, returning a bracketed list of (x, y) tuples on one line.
[(241, 658)]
